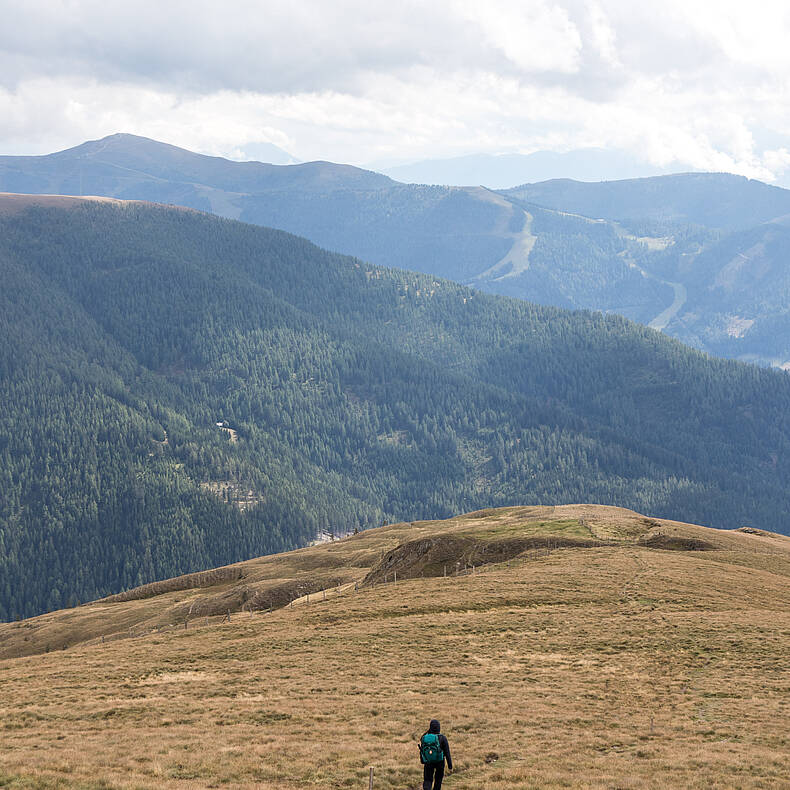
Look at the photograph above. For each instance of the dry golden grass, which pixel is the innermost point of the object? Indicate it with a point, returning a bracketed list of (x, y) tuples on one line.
[(618, 666)]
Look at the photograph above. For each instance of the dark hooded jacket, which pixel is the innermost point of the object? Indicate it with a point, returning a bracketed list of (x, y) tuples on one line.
[(434, 728)]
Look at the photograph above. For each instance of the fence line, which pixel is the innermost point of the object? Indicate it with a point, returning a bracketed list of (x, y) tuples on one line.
[(468, 569)]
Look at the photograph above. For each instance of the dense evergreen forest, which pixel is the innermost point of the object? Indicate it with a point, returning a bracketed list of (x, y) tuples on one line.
[(180, 391)]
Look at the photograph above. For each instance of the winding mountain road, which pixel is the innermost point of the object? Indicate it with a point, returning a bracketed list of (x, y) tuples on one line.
[(662, 320)]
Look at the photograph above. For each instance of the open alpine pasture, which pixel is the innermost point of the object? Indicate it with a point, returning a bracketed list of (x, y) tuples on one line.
[(590, 647)]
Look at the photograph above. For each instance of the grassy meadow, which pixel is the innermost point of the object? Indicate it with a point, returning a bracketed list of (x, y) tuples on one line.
[(608, 664)]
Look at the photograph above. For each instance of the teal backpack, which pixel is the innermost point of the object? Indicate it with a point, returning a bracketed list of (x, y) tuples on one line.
[(430, 750)]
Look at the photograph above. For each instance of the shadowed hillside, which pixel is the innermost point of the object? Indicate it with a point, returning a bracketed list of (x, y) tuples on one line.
[(181, 392), (595, 659)]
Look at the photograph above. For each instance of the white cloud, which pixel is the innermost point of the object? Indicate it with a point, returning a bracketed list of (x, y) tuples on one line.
[(603, 38), (534, 36), (692, 84), (777, 161)]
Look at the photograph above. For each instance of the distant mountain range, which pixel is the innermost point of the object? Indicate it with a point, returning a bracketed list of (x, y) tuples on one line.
[(660, 250), (500, 171), (267, 152), (714, 200), (181, 391)]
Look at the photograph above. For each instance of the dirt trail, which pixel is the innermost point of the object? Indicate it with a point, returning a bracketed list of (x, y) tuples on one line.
[(629, 593)]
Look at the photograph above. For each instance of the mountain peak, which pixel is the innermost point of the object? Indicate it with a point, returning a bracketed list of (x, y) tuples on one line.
[(130, 166), (120, 141)]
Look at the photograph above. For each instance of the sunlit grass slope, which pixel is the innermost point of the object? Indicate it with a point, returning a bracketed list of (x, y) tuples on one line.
[(591, 647)]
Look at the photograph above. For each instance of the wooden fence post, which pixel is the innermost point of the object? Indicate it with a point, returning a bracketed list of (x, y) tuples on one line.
[(370, 781), (396, 577), (324, 594)]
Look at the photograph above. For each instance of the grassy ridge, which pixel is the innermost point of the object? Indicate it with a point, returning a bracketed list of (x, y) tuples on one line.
[(585, 667), (408, 550)]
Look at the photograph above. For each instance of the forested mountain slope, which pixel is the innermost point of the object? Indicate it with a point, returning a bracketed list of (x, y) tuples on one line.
[(346, 395), (337, 206), (715, 200), (738, 295), (721, 241), (468, 234)]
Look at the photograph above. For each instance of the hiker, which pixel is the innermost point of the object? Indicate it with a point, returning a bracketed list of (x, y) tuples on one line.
[(434, 750)]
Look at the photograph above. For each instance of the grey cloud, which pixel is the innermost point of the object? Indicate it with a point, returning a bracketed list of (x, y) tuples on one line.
[(203, 47), (313, 45), (265, 47), (357, 80)]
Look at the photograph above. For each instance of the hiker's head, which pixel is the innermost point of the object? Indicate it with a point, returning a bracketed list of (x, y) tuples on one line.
[(434, 726)]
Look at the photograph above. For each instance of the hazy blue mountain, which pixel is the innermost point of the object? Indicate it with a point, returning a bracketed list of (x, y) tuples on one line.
[(731, 282), (573, 261), (500, 171), (738, 295), (268, 153), (180, 391), (616, 246), (469, 234), (715, 200), (128, 166)]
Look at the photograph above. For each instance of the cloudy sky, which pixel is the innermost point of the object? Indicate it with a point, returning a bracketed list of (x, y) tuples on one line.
[(684, 83)]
